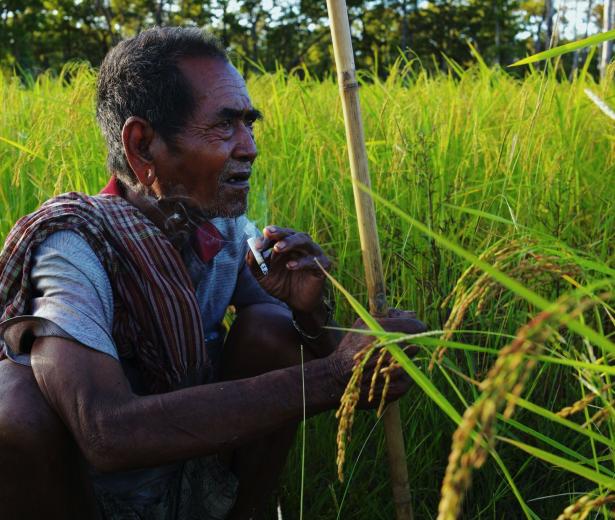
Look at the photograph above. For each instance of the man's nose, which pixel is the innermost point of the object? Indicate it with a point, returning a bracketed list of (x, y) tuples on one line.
[(246, 146)]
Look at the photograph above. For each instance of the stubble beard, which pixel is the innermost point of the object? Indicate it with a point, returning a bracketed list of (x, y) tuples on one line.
[(227, 203), (233, 204)]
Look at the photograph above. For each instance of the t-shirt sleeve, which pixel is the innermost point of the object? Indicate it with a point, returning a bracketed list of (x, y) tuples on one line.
[(72, 299)]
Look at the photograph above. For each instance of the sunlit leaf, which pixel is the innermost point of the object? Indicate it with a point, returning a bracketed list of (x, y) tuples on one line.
[(596, 39)]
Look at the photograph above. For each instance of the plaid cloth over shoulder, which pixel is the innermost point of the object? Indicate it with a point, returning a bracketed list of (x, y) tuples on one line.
[(156, 315)]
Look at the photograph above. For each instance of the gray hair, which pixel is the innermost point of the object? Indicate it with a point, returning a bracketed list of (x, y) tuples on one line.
[(141, 77)]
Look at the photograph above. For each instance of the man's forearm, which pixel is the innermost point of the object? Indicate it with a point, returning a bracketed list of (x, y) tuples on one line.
[(238, 411), (118, 430)]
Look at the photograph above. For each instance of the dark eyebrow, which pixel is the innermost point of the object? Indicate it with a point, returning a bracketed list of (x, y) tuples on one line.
[(233, 113)]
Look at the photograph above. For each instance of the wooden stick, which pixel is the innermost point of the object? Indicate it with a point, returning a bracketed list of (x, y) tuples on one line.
[(368, 233)]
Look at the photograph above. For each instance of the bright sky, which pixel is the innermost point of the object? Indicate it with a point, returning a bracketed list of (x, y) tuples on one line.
[(576, 13)]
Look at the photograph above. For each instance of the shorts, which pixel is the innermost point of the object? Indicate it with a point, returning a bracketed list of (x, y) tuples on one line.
[(203, 489)]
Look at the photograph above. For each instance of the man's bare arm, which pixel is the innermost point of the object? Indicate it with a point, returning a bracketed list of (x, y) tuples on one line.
[(117, 430)]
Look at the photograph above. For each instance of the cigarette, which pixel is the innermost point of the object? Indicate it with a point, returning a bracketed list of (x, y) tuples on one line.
[(257, 255)]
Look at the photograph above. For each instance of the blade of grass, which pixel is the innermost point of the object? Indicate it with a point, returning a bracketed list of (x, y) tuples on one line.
[(548, 414), (22, 148), (553, 443), (596, 39), (568, 465)]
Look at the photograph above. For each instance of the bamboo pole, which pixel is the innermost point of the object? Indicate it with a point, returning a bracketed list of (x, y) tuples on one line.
[(368, 234), (608, 18)]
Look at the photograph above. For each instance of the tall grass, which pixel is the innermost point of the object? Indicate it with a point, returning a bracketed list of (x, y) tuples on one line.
[(468, 164)]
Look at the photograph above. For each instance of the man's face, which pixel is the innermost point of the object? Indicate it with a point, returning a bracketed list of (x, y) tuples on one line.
[(210, 160)]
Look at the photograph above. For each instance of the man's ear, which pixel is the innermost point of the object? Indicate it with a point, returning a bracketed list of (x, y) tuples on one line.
[(137, 136)]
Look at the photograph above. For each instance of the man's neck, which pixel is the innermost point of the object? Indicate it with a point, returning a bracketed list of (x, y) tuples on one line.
[(171, 217)]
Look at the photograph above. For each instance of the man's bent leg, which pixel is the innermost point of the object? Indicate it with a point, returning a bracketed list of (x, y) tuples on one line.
[(41, 473), (261, 339)]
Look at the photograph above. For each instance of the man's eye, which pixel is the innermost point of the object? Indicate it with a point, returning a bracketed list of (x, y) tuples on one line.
[(227, 124), (249, 122)]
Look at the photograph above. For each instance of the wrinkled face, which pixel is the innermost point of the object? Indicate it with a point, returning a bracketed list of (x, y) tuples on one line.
[(210, 160)]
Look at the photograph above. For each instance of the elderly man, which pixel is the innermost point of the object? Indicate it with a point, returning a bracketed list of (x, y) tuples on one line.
[(121, 396)]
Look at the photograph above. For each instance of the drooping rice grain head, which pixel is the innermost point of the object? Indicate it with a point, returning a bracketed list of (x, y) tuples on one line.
[(348, 405), (393, 365), (600, 416), (581, 404), (350, 398), (585, 505), (372, 388), (517, 259)]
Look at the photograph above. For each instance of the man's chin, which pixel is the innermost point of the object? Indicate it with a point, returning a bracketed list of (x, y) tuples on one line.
[(226, 206), (229, 208), (232, 210)]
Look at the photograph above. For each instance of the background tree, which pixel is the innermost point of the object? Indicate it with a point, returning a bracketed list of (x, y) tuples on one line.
[(293, 34), (608, 18)]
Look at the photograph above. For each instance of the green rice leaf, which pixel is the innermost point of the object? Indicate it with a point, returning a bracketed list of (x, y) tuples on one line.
[(548, 414), (423, 382), (479, 213), (596, 39), (22, 148), (359, 309), (581, 365), (568, 465), (554, 444)]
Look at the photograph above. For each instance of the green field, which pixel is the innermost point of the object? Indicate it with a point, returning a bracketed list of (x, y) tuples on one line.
[(520, 172)]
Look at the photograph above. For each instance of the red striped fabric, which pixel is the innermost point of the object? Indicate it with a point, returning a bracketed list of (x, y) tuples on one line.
[(156, 316), (206, 240)]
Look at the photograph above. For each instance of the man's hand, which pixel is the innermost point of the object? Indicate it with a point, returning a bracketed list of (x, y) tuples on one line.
[(343, 359), (294, 276)]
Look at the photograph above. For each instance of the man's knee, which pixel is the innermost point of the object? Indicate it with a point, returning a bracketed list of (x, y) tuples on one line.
[(262, 338), (33, 440), (26, 420)]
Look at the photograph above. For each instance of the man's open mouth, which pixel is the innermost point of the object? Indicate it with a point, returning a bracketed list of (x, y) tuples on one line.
[(238, 180)]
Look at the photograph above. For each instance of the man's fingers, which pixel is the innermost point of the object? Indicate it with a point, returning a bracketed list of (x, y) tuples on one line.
[(276, 233), (358, 324), (297, 251), (410, 350), (297, 243), (264, 244), (272, 235), (400, 313), (407, 325), (309, 263), (288, 242)]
